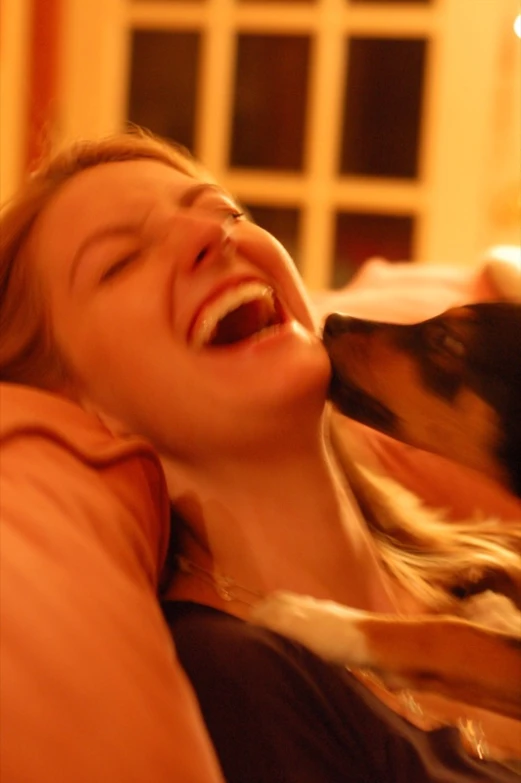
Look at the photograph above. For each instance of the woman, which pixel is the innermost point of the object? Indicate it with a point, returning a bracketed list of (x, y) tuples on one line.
[(162, 310)]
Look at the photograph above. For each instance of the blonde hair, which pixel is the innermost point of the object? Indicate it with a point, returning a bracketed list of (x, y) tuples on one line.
[(27, 351), (436, 559)]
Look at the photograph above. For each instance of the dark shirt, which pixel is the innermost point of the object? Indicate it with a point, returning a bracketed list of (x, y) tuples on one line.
[(279, 714)]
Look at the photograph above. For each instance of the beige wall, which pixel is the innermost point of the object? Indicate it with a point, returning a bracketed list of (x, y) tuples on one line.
[(14, 54)]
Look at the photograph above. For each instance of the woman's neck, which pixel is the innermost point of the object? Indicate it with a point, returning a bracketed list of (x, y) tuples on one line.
[(287, 523)]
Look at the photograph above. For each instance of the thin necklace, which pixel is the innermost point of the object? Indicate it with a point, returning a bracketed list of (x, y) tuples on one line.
[(225, 587), (471, 731)]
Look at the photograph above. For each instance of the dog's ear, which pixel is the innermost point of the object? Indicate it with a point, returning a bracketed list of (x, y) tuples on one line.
[(502, 265)]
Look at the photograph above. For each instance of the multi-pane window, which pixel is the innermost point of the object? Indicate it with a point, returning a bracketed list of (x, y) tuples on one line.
[(271, 145), (347, 127)]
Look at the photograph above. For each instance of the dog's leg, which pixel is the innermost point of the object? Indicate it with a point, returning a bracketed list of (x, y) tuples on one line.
[(331, 630), (448, 655)]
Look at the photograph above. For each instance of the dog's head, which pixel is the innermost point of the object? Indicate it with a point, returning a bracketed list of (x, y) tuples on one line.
[(451, 385)]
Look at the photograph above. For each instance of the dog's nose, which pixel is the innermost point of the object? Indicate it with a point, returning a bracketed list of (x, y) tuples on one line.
[(337, 324)]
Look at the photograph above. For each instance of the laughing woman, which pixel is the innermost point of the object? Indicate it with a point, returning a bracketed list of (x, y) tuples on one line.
[(135, 288)]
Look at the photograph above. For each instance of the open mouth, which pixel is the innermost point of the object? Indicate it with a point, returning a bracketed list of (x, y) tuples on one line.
[(247, 311)]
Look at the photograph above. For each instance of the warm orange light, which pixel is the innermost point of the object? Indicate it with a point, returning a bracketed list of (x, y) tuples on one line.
[(517, 26)]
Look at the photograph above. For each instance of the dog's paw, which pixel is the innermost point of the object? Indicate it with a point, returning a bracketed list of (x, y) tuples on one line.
[(328, 629)]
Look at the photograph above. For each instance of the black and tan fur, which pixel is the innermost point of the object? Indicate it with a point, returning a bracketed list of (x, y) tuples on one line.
[(450, 385)]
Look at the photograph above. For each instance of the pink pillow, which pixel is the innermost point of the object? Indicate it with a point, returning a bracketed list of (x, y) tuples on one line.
[(405, 293)]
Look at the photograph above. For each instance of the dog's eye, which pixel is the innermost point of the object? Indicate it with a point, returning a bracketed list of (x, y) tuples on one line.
[(442, 339), (452, 345)]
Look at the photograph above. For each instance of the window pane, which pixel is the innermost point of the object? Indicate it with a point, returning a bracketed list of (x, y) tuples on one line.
[(382, 107), (163, 83), (270, 102), (282, 222), (360, 236)]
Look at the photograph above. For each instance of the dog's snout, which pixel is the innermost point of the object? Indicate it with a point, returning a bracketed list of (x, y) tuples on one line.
[(337, 324)]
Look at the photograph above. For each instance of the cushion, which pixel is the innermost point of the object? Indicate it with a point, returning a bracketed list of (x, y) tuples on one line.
[(90, 686), (404, 292)]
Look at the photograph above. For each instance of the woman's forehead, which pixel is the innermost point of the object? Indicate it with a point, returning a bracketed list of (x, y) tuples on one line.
[(102, 193), (121, 182)]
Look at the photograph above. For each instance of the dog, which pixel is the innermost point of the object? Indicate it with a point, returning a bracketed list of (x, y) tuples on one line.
[(450, 385)]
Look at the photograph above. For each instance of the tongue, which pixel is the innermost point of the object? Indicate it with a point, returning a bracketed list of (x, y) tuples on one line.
[(248, 319)]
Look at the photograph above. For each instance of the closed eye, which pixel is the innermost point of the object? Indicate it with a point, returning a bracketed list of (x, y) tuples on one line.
[(228, 213), (225, 211), (236, 214), (220, 204), (118, 266)]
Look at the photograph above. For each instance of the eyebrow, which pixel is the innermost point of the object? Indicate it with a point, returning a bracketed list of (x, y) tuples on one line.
[(188, 198)]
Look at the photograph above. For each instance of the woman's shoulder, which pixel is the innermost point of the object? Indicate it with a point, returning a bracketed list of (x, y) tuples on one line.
[(212, 644), (198, 628)]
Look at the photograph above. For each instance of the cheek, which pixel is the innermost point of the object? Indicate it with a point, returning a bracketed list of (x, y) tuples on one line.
[(102, 343), (99, 363), (124, 378)]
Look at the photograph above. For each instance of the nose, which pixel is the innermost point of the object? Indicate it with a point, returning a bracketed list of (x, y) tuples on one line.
[(337, 324)]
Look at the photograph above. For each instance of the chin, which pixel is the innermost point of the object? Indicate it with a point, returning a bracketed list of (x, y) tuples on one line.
[(295, 391)]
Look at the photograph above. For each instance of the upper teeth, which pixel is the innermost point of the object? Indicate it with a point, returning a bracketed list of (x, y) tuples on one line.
[(230, 300)]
